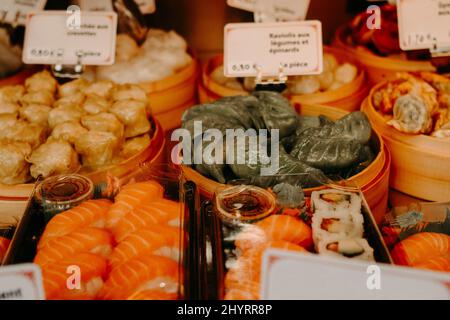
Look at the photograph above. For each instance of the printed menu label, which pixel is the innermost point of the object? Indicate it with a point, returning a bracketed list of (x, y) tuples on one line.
[(15, 11), (21, 282), (305, 276), (96, 5), (424, 24), (268, 49), (146, 6), (56, 37), (287, 10)]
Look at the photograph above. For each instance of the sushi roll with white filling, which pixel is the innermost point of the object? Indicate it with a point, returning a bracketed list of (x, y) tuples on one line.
[(352, 248), (336, 200), (337, 223)]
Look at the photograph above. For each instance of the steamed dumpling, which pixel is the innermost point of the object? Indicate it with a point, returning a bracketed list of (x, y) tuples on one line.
[(95, 104), (53, 157), (12, 94), (68, 131), (105, 122), (35, 113), (38, 97), (64, 114), (97, 148), (304, 85), (41, 81), (14, 169), (345, 73), (133, 114), (73, 87)]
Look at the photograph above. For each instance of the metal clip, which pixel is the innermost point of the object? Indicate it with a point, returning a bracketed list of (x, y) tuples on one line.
[(282, 78), (72, 72)]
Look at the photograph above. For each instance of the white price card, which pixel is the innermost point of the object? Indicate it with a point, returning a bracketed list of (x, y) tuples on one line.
[(15, 11), (21, 282), (424, 24), (58, 37), (96, 5), (305, 276), (287, 10), (146, 6), (269, 49)]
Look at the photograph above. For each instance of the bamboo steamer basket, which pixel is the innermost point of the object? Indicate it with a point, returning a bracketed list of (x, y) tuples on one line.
[(420, 163), (170, 96), (378, 68), (373, 181), (348, 97), (14, 196)]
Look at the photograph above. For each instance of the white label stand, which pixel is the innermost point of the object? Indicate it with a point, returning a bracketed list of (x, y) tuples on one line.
[(71, 72)]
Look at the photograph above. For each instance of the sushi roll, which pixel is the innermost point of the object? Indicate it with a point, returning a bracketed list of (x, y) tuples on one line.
[(337, 223), (336, 200), (353, 248)]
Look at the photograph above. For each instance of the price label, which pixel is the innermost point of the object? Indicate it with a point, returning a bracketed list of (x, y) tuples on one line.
[(303, 276), (15, 11), (21, 282), (146, 6), (424, 24), (282, 10), (58, 37), (268, 49), (96, 5)]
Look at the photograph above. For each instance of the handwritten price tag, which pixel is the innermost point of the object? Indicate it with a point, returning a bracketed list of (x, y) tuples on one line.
[(301, 276), (283, 10), (266, 49), (56, 37), (15, 11), (424, 24), (21, 282)]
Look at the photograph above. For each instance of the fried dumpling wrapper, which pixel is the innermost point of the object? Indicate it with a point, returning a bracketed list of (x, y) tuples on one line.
[(97, 148), (41, 81), (95, 104), (102, 88), (73, 100), (135, 145), (68, 131), (9, 107), (73, 87), (52, 158), (38, 97), (133, 114), (22, 131), (129, 92), (12, 93), (105, 122), (14, 169), (36, 113), (64, 114), (7, 121)]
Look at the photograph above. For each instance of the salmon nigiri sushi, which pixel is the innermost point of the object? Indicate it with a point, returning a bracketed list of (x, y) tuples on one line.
[(61, 279), (145, 272), (131, 196), (90, 240), (91, 213), (153, 295), (420, 247), (275, 227), (157, 240), (161, 211), (248, 266), (438, 263), (4, 245)]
